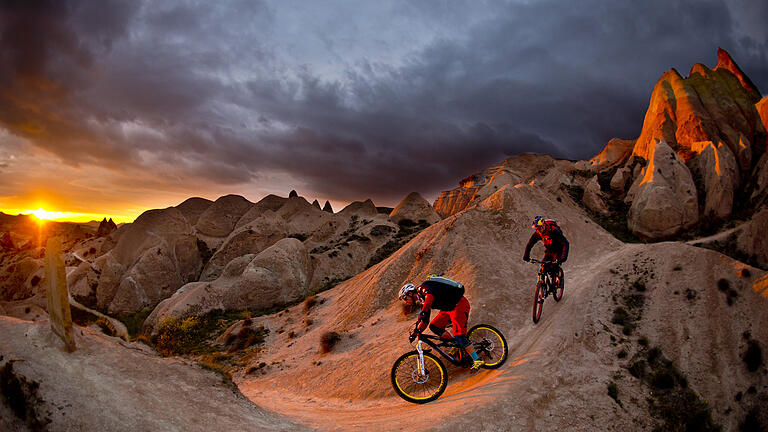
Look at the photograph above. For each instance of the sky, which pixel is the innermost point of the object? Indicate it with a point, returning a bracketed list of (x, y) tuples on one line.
[(109, 108)]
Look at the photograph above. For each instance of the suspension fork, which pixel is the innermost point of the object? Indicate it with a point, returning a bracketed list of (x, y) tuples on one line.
[(421, 357)]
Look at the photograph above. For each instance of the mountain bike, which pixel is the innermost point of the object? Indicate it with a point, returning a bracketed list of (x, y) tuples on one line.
[(420, 377), (546, 284)]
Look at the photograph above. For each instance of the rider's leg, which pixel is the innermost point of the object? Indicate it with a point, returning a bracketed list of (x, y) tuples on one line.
[(439, 323), (459, 318)]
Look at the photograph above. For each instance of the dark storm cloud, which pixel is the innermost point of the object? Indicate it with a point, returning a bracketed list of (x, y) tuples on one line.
[(193, 89)]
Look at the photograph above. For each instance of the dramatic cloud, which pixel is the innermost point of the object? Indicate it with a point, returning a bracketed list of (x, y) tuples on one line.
[(340, 100)]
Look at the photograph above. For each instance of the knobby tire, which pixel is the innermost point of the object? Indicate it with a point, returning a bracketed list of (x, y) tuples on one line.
[(402, 375), (559, 283), (538, 303), (497, 355)]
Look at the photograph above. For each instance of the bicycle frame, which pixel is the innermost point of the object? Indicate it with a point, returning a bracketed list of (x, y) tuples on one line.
[(543, 274), (427, 339)]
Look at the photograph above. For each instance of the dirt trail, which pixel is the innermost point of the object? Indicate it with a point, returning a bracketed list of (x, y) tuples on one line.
[(558, 369)]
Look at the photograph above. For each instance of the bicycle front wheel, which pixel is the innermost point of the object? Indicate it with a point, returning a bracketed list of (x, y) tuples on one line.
[(489, 344), (538, 301), (412, 385), (559, 285)]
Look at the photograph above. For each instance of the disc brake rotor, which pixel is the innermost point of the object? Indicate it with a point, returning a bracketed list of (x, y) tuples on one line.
[(419, 378)]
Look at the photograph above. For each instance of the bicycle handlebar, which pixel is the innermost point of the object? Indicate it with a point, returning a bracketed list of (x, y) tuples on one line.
[(535, 261)]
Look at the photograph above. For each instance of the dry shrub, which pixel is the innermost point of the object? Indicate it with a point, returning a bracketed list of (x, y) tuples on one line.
[(407, 309), (328, 340), (106, 326), (246, 337), (309, 303), (308, 321)]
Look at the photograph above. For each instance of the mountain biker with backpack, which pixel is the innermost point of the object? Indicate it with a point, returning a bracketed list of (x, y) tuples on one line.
[(556, 246), (447, 296)]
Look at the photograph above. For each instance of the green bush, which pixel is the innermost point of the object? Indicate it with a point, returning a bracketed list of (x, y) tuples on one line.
[(178, 335)]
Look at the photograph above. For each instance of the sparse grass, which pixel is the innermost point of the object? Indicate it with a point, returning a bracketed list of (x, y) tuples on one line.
[(672, 401), (133, 322), (328, 340), (637, 369), (193, 334), (677, 268), (246, 337), (620, 316)]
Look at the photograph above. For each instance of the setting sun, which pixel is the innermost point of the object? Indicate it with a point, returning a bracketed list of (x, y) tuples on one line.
[(43, 214)]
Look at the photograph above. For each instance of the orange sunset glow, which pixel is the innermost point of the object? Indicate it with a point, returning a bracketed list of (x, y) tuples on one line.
[(62, 216)]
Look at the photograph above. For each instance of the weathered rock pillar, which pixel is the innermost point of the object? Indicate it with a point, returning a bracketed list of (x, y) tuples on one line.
[(58, 294)]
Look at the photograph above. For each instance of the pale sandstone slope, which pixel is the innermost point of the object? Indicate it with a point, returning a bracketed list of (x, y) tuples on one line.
[(109, 385)]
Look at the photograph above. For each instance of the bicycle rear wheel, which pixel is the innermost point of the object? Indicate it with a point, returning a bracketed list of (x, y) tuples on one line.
[(490, 345), (559, 285), (538, 300), (414, 387)]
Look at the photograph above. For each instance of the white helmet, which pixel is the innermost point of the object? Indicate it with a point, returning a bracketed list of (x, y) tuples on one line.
[(406, 290)]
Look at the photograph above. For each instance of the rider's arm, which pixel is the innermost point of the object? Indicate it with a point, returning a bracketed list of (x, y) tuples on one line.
[(425, 312), (566, 248), (535, 237)]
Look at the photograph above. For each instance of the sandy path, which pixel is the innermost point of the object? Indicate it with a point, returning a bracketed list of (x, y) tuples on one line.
[(464, 392)]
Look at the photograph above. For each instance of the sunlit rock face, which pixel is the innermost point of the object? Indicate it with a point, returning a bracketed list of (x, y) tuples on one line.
[(714, 121), (414, 208), (615, 152), (663, 196), (715, 105)]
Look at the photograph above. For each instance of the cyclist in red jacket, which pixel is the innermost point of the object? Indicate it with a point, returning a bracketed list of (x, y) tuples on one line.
[(556, 246), (447, 296)]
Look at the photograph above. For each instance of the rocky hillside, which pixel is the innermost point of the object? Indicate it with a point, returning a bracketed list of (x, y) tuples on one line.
[(699, 165), (228, 254)]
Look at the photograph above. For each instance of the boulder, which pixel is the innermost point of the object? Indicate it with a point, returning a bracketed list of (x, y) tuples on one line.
[(276, 276), (719, 173), (752, 241), (360, 208), (254, 237), (594, 197), (620, 178), (664, 197), (192, 208), (269, 202), (154, 256), (6, 242), (220, 218), (292, 194), (414, 208), (760, 190), (615, 153)]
